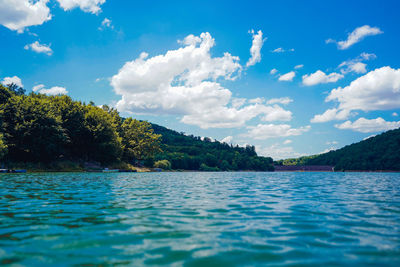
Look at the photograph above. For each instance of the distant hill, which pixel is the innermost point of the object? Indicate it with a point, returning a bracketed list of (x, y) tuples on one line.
[(190, 152), (381, 152)]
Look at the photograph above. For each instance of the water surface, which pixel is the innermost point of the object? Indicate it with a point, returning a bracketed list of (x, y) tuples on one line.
[(200, 219)]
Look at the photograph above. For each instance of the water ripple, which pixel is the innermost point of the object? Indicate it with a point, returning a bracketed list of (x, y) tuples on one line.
[(200, 219)]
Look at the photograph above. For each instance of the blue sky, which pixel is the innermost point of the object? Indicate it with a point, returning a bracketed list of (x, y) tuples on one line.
[(207, 67)]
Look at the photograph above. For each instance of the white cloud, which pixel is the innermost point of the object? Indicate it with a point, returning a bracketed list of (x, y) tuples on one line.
[(282, 100), (39, 48), (227, 140), (266, 131), (332, 142), (356, 36), (257, 100), (277, 152), (356, 65), (278, 50), (320, 77), (273, 71), (364, 125), (16, 15), (9, 80), (288, 77), (331, 114), (327, 150), (281, 50), (91, 6), (286, 142), (377, 90), (106, 23), (238, 102), (185, 81), (255, 50), (55, 90), (299, 66), (394, 114), (368, 137)]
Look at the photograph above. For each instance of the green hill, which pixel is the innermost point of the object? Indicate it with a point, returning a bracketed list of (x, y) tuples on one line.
[(381, 152), (49, 132), (190, 152)]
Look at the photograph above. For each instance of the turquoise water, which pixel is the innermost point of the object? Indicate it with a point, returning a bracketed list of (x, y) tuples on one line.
[(200, 219)]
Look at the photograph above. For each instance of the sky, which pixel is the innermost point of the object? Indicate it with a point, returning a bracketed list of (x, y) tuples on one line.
[(292, 78)]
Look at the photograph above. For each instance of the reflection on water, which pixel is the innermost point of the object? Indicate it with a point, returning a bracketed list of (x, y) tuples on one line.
[(200, 219)]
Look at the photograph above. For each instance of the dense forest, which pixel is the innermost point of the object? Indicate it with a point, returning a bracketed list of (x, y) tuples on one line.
[(381, 152), (194, 153), (45, 130)]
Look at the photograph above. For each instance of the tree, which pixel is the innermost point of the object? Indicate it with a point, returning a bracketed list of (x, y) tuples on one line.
[(163, 164), (3, 147), (139, 140), (103, 142)]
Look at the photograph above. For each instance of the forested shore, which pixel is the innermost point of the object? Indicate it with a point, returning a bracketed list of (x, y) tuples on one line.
[(377, 153), (57, 133)]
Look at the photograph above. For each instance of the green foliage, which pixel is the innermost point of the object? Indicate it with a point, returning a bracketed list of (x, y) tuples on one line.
[(40, 128), (44, 129), (381, 152), (139, 140), (3, 147), (163, 164), (205, 168), (191, 152)]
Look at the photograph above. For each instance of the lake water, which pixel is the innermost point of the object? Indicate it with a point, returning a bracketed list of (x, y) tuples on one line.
[(200, 219)]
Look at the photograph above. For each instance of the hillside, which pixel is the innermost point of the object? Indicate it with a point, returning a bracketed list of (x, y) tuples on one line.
[(75, 134), (194, 153), (381, 152)]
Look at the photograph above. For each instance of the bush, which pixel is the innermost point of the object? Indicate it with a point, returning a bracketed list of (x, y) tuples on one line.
[(205, 168), (163, 164)]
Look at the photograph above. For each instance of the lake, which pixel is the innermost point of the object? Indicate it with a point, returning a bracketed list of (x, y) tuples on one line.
[(200, 219)]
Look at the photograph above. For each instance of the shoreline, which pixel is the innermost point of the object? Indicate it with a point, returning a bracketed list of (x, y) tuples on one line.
[(149, 170)]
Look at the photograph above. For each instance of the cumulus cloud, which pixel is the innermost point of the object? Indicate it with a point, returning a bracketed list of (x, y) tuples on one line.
[(320, 77), (227, 139), (299, 66), (12, 80), (356, 36), (266, 131), (287, 77), (39, 48), (277, 151), (16, 15), (364, 125), (185, 81), (282, 100), (377, 90), (394, 114), (255, 50), (356, 65), (55, 90), (286, 142), (331, 114), (273, 71), (91, 6)]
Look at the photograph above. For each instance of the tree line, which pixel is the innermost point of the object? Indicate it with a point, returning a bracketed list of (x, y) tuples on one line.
[(41, 128), (381, 152)]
